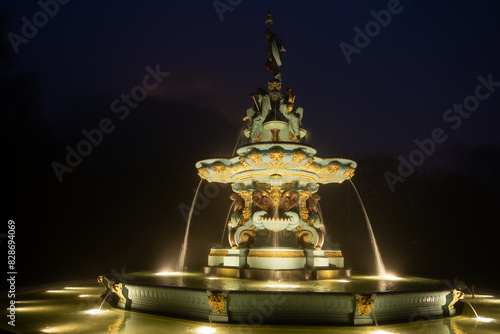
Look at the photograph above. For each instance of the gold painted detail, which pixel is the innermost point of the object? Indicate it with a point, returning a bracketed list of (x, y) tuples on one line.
[(241, 167), (272, 170), (203, 173), (276, 155), (333, 167), (293, 138), (218, 253), (275, 195), (103, 282), (365, 304), (117, 288), (304, 211), (304, 239), (298, 156), (258, 139), (310, 166), (333, 254), (247, 238), (246, 194), (219, 167), (217, 301), (457, 295), (349, 173), (263, 233), (254, 156), (292, 254)]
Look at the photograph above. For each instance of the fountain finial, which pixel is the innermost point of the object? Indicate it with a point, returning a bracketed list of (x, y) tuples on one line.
[(274, 49)]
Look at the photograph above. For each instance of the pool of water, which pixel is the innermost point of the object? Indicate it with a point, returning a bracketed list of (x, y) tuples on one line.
[(67, 308), (356, 283)]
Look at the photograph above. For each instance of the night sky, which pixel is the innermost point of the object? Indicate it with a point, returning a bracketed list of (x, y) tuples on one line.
[(119, 207)]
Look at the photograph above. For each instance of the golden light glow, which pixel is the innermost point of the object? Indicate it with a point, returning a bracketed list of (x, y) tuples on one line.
[(96, 311), (390, 277), (479, 296), (205, 330), (482, 319), (58, 291), (278, 285), (169, 273)]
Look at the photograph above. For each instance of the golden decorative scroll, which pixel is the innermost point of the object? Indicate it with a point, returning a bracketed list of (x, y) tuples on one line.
[(292, 254), (247, 238), (365, 304), (218, 253), (217, 301), (333, 254), (304, 239)]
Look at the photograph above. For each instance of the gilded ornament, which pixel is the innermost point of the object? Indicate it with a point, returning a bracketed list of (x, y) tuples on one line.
[(276, 254), (276, 155), (457, 295), (304, 239), (275, 195), (310, 166), (333, 167), (298, 156), (349, 172), (254, 156), (333, 254), (365, 304), (217, 301), (247, 238), (219, 167), (293, 138), (117, 288), (259, 138), (218, 253), (202, 171)]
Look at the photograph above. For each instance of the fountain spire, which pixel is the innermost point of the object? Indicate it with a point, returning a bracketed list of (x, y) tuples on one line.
[(274, 49)]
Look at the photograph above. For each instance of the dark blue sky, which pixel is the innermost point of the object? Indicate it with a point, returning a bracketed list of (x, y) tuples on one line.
[(394, 91)]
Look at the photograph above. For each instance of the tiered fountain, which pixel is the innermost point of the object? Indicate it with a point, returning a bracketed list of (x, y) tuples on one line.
[(276, 234), (275, 231)]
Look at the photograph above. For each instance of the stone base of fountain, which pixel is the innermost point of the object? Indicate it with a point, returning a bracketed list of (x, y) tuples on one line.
[(360, 300), (279, 275), (276, 263)]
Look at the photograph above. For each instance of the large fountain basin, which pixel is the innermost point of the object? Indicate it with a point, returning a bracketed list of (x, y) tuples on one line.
[(335, 301)]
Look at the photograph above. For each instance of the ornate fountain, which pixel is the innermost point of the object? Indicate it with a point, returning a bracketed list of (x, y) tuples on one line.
[(276, 230), (276, 235)]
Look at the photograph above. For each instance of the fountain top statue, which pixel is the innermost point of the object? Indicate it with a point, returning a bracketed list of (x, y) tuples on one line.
[(276, 226)]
